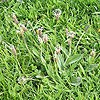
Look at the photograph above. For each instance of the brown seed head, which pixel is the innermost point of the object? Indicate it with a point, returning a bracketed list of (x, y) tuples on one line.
[(93, 53), (15, 18), (45, 38), (71, 34), (23, 27), (13, 50), (39, 31), (66, 31), (57, 13), (58, 50)]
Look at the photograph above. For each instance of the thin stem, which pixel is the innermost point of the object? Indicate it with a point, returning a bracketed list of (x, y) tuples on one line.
[(78, 41)]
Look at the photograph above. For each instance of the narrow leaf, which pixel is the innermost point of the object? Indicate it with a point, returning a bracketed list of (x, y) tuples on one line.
[(73, 59)]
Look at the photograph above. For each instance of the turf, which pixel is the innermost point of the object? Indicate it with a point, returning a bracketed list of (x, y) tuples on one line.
[(31, 69)]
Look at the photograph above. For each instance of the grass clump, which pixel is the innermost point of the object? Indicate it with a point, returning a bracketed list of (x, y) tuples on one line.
[(49, 50)]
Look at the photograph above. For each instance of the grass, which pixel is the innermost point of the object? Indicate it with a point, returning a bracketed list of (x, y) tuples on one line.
[(60, 68)]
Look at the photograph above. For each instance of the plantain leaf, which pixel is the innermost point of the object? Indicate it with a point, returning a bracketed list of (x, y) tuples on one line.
[(76, 81), (73, 59)]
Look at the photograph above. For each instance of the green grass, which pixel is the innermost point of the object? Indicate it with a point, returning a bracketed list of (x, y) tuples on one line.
[(32, 72)]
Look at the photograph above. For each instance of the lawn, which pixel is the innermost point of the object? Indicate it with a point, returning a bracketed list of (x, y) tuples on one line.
[(50, 50)]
